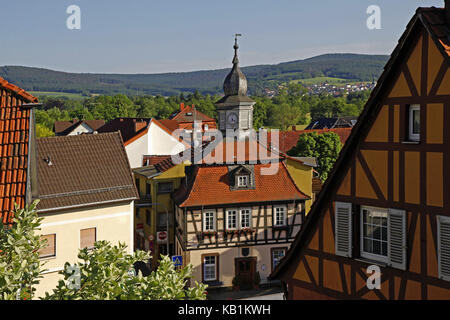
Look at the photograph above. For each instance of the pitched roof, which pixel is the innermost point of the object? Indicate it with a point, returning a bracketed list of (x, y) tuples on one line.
[(65, 127), (210, 185), (14, 145), (288, 139), (84, 170), (372, 106), (189, 114), (331, 123), (129, 128)]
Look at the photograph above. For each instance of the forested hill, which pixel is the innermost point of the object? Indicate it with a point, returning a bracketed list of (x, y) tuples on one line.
[(352, 67)]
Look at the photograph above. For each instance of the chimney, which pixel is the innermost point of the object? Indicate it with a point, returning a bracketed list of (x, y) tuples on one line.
[(447, 11), (182, 106), (294, 128), (139, 125)]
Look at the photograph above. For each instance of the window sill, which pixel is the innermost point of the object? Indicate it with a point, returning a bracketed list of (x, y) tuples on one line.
[(410, 142), (47, 258), (370, 261)]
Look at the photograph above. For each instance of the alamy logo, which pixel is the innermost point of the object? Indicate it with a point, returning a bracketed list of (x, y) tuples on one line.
[(374, 20), (74, 279), (73, 22), (374, 280)]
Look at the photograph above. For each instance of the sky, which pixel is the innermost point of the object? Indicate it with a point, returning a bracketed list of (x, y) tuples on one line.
[(148, 36)]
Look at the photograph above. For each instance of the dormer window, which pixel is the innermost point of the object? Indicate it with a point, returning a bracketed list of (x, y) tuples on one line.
[(242, 181)]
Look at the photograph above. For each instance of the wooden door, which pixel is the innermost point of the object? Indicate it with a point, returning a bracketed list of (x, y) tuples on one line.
[(245, 270)]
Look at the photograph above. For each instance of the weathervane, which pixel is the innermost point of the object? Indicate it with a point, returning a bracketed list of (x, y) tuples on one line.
[(236, 47)]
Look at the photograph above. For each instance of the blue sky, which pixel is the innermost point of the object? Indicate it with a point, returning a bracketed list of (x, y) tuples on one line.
[(148, 36)]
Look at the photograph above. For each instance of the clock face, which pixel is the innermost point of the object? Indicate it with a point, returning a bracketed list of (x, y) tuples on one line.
[(232, 118)]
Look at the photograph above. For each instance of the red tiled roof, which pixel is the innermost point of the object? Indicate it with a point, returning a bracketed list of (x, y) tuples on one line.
[(189, 114), (288, 139), (211, 186), (14, 142), (152, 160)]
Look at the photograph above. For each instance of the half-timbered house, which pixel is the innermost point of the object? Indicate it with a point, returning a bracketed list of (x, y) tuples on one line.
[(386, 203), (238, 208)]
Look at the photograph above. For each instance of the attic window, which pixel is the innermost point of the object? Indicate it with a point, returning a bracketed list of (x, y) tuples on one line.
[(243, 181), (189, 113)]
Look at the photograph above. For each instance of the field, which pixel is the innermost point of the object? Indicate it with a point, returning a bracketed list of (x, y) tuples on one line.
[(330, 80), (57, 94)]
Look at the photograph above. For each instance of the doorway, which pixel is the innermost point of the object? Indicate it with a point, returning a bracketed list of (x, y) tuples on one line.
[(245, 269)]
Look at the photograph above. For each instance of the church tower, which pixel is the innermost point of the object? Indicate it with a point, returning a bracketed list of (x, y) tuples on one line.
[(235, 109)]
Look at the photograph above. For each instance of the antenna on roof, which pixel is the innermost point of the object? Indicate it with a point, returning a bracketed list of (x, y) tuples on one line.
[(48, 161)]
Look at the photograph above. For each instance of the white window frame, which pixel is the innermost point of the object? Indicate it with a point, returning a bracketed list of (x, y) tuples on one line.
[(209, 265), (241, 180), (205, 213), (368, 255), (275, 215), (411, 135), (249, 218), (236, 211)]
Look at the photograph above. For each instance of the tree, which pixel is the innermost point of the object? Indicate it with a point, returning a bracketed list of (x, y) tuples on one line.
[(42, 131), (106, 273), (19, 257), (324, 147)]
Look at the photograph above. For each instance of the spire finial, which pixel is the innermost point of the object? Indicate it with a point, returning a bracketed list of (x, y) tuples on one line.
[(236, 47)]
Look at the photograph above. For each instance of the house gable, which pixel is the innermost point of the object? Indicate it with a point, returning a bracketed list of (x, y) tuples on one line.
[(380, 167)]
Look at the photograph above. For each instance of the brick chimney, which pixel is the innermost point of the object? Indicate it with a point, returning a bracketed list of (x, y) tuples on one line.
[(294, 128), (139, 125), (182, 106), (447, 11)]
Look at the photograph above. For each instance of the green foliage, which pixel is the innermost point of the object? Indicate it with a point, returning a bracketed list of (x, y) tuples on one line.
[(42, 131), (324, 147), (19, 258), (105, 275)]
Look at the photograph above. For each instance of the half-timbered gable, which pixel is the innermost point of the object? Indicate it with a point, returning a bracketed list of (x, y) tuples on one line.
[(386, 202)]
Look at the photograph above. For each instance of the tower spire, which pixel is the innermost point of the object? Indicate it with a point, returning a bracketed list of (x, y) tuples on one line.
[(236, 47)]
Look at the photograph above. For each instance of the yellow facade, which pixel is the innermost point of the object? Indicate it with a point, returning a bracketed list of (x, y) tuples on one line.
[(157, 203), (302, 176), (113, 223)]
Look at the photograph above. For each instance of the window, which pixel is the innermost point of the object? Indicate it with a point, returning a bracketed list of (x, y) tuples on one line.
[(443, 227), (279, 216), (147, 217), (165, 187), (414, 123), (147, 189), (162, 220), (242, 181), (49, 250), (137, 185), (277, 255), (246, 218), (374, 233), (210, 264), (231, 219), (209, 221), (88, 238)]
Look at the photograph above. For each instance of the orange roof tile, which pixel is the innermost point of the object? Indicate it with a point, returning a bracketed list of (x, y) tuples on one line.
[(14, 140), (288, 139), (211, 186)]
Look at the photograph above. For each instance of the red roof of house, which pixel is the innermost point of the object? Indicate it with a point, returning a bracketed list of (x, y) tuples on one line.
[(288, 139), (189, 114), (129, 127), (210, 185), (14, 142)]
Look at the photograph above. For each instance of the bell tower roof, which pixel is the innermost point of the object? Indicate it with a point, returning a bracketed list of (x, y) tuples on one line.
[(235, 83)]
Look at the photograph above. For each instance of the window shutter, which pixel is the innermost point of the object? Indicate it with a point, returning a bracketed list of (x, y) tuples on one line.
[(443, 234), (222, 120), (343, 226), (87, 238), (397, 238), (50, 248)]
